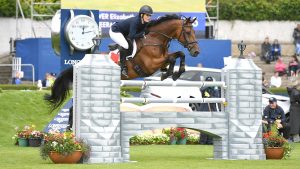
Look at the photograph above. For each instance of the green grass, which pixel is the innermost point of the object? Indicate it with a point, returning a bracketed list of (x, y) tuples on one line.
[(18, 108)]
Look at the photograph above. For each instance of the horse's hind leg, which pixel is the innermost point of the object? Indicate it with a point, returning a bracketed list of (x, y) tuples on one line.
[(171, 61), (176, 75)]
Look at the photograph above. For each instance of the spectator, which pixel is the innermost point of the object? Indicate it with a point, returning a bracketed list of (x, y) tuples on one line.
[(266, 50), (296, 36), (293, 66), (294, 122), (48, 81), (264, 81), (280, 67), (17, 79), (208, 92), (274, 114), (275, 80), (276, 50)]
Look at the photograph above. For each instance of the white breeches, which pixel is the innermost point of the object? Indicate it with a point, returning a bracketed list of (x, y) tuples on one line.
[(120, 39)]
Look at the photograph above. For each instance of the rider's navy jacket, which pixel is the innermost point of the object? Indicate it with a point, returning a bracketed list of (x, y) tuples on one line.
[(131, 27), (272, 114)]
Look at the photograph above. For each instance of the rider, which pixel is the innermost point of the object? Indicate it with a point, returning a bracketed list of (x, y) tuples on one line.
[(130, 29)]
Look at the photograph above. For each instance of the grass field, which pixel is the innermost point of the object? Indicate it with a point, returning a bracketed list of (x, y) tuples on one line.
[(27, 107)]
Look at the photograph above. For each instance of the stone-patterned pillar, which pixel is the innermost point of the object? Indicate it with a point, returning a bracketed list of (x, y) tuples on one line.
[(244, 97), (97, 107)]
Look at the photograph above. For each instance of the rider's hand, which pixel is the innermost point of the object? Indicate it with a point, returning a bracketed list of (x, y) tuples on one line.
[(264, 121)]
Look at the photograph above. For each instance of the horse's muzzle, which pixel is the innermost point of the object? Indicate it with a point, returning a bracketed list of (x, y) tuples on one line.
[(194, 53)]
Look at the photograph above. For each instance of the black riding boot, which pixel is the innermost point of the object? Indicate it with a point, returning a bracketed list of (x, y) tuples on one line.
[(124, 69)]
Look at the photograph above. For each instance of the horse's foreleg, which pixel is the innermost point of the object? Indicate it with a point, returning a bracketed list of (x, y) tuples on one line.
[(181, 55), (171, 61)]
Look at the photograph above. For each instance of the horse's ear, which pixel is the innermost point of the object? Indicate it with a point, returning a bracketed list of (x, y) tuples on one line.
[(194, 20)]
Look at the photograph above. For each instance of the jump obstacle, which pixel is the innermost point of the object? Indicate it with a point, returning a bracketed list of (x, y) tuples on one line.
[(237, 129)]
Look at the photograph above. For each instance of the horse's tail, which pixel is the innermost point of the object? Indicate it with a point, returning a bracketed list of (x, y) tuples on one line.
[(60, 88)]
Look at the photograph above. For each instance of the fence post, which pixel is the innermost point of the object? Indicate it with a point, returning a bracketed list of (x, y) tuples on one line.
[(244, 96), (97, 107)]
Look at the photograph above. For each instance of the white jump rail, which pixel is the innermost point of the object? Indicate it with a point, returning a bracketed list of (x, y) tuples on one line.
[(173, 100), (171, 83)]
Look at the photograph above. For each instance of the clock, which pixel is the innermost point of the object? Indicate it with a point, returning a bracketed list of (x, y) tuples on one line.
[(80, 31)]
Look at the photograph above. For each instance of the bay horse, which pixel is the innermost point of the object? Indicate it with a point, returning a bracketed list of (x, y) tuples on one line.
[(152, 54)]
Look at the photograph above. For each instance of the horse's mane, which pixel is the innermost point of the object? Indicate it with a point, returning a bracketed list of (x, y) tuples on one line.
[(163, 19)]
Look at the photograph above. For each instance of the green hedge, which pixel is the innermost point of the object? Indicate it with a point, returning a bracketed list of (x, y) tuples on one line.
[(8, 8), (281, 90), (18, 87), (258, 10)]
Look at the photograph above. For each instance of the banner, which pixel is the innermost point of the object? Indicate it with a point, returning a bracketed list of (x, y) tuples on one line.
[(107, 18), (134, 5)]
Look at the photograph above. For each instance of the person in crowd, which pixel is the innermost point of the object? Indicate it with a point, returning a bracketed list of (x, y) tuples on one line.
[(274, 114), (264, 80), (49, 80), (276, 50), (275, 80), (208, 92), (293, 66), (280, 67), (294, 122), (266, 50), (296, 36), (125, 32), (17, 79)]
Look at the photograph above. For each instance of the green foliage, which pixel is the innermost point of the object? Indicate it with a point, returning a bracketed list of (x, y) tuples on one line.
[(18, 87), (280, 90), (63, 143), (258, 10), (274, 139), (159, 139), (8, 8)]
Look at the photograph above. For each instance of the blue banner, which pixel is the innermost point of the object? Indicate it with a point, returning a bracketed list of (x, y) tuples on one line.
[(107, 18)]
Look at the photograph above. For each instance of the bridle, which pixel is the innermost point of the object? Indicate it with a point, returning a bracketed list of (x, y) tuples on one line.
[(187, 43)]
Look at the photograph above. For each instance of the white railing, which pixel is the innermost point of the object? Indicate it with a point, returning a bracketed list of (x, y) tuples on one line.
[(171, 83), (26, 65)]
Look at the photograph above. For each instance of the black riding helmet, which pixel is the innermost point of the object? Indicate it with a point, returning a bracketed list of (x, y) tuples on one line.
[(208, 78), (146, 9)]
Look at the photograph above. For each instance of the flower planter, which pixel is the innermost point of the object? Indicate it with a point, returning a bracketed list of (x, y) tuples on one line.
[(23, 142), (35, 142), (182, 141), (65, 159), (172, 141), (274, 152)]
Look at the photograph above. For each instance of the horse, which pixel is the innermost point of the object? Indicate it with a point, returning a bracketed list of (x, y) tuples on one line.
[(152, 54)]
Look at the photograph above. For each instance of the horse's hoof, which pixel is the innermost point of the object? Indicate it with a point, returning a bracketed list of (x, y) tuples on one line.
[(175, 76)]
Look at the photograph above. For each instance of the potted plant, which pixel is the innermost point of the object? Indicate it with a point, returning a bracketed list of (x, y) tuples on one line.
[(181, 135), (170, 134), (276, 146), (21, 136), (63, 148), (35, 138)]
